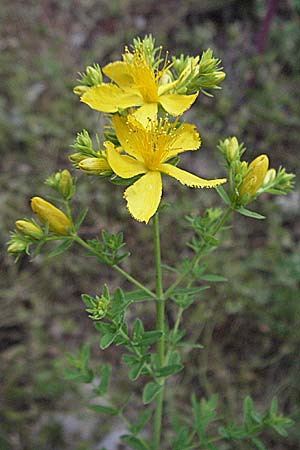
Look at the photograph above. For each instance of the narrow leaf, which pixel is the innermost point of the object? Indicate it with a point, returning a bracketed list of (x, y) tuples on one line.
[(212, 277), (150, 337), (258, 443), (168, 370), (248, 213), (107, 340), (138, 295), (104, 379), (134, 442), (103, 409), (223, 194), (151, 390), (61, 248), (81, 218), (136, 370)]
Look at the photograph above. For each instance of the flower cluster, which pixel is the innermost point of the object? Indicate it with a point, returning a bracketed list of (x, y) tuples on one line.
[(248, 180), (145, 98)]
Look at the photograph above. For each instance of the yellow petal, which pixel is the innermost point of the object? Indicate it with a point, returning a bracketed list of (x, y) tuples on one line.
[(130, 140), (188, 178), (124, 166), (118, 72), (163, 88), (146, 112), (109, 98), (176, 104), (143, 196), (186, 138)]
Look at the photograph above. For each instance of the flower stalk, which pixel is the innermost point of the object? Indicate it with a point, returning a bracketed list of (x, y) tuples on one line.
[(160, 326)]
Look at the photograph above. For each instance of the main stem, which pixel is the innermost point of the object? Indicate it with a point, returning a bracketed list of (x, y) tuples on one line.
[(160, 323)]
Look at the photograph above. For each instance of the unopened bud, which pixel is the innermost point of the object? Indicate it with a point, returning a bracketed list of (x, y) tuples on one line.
[(65, 184), (232, 148), (94, 166), (48, 213), (257, 170), (270, 177), (29, 229), (219, 77), (80, 90), (94, 74), (17, 247), (75, 158)]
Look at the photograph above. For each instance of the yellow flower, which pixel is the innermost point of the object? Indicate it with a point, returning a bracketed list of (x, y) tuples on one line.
[(137, 84), (256, 173), (48, 213), (147, 151)]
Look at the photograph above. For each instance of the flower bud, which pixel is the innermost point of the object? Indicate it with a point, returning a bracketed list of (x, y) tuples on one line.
[(17, 247), (257, 170), (47, 213), (232, 148), (94, 166), (75, 158), (270, 177), (65, 184), (94, 74), (29, 228), (80, 90)]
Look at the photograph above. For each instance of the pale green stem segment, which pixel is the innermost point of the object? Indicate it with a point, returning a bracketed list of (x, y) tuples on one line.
[(160, 325), (116, 267)]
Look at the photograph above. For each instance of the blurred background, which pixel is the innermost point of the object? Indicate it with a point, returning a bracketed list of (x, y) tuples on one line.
[(249, 326)]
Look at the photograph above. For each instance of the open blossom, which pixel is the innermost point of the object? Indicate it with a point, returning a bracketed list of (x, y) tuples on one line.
[(136, 83), (146, 152)]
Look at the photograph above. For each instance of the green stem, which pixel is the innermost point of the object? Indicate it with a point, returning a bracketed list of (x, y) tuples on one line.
[(115, 266), (196, 258), (160, 325)]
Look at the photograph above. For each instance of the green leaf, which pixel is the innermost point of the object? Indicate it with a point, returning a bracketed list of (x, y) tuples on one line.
[(258, 443), (104, 328), (247, 410), (103, 409), (137, 295), (151, 390), (81, 218), (189, 344), (223, 194), (174, 358), (134, 442), (104, 379), (248, 213), (136, 370), (79, 377), (118, 304), (87, 300), (107, 340), (61, 248), (137, 330), (212, 277), (189, 291), (274, 407), (150, 337), (84, 355), (168, 370), (143, 418)]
